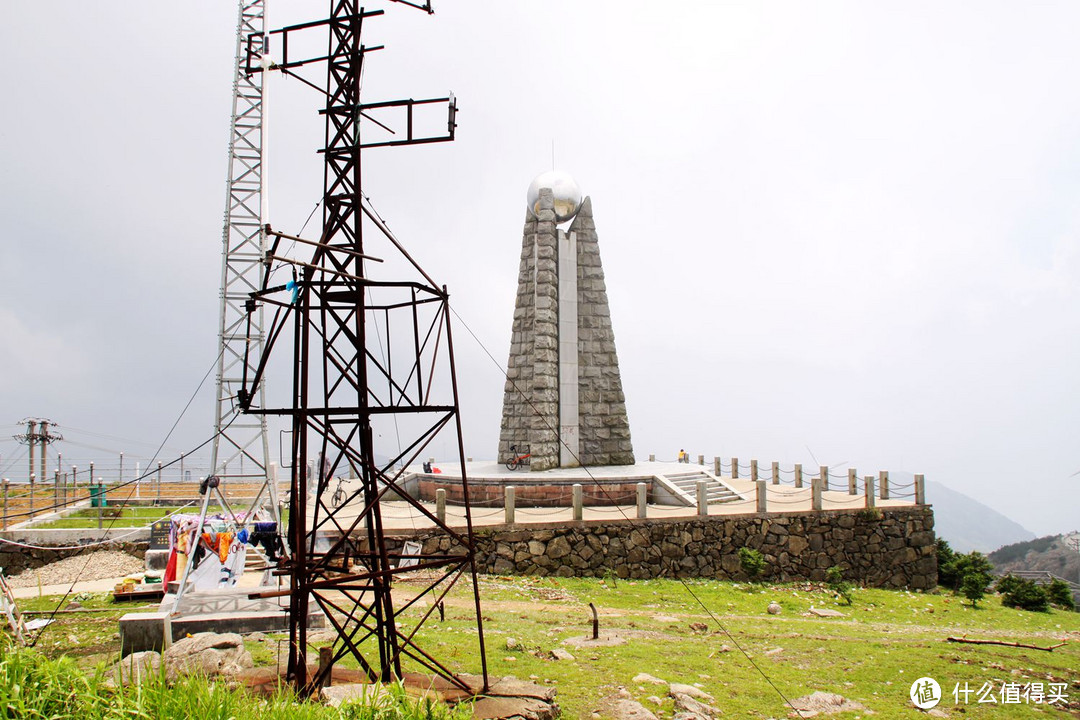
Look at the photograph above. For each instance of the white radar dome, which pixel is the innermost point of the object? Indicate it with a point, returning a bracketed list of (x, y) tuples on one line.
[(563, 187)]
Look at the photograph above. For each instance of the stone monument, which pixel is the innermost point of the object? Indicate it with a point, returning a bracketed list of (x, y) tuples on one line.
[(563, 401)]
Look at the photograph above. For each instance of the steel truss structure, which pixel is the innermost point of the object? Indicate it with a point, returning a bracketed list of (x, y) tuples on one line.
[(240, 449), (372, 359)]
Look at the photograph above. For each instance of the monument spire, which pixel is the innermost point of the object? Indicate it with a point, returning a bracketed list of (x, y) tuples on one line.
[(563, 398)]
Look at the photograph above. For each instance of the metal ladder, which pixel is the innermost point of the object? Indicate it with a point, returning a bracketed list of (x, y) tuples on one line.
[(11, 610)]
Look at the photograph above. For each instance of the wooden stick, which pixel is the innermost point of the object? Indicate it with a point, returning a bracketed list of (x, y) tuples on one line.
[(1002, 642)]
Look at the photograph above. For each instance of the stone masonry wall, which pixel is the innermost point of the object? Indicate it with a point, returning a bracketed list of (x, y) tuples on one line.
[(516, 414), (889, 547), (14, 559), (605, 428), (544, 411)]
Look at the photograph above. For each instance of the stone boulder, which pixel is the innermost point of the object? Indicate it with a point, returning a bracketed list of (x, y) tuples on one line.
[(209, 654), (137, 667)]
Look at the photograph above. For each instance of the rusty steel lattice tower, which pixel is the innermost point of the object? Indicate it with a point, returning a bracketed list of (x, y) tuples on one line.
[(371, 358)]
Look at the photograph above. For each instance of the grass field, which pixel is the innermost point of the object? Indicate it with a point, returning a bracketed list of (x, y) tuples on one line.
[(885, 641), (129, 517)]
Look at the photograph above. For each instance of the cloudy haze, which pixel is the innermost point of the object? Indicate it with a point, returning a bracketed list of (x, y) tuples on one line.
[(832, 232)]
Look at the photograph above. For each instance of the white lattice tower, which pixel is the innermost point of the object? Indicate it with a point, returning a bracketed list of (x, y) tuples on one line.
[(240, 448)]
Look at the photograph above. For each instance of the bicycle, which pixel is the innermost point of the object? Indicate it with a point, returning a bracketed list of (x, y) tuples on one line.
[(516, 460), (339, 493)]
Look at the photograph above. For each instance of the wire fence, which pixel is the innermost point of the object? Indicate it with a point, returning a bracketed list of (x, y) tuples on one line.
[(23, 502)]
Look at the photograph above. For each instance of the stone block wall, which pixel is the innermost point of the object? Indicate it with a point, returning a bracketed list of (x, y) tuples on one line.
[(553, 493), (14, 559), (887, 548), (517, 415), (605, 428)]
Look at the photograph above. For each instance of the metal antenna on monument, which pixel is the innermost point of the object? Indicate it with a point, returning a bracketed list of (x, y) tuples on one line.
[(371, 353), (240, 451)]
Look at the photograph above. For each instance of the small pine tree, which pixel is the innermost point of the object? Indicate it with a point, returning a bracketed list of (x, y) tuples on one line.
[(1006, 583), (972, 563), (973, 587), (946, 559), (1026, 595), (1060, 594), (752, 561)]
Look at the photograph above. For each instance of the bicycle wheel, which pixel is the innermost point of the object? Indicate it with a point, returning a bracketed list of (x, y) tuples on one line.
[(338, 498), (512, 463)]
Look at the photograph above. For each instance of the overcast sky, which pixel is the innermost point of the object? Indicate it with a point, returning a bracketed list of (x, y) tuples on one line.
[(832, 232)]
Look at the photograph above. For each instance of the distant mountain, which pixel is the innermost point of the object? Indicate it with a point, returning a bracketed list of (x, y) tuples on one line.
[(968, 524), (1053, 554)]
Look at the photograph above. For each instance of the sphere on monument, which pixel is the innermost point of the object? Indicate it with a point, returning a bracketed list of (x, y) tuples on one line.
[(563, 187)]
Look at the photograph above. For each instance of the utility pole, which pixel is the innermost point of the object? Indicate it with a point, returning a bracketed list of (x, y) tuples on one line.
[(30, 439), (37, 433)]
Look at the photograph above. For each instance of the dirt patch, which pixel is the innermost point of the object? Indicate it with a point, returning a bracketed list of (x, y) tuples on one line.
[(824, 703)]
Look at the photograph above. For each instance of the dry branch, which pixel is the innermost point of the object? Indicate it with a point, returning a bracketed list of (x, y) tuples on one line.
[(1002, 642)]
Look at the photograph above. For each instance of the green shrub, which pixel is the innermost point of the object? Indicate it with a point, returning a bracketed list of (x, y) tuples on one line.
[(945, 560), (960, 566), (1026, 595), (973, 586), (1060, 594), (834, 580), (752, 561), (1006, 583)]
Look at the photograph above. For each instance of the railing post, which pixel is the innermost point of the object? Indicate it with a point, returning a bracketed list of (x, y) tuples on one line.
[(823, 472), (883, 477), (56, 489), (869, 490), (852, 482), (652, 457), (32, 477), (775, 473), (700, 459), (642, 500), (273, 479), (6, 483), (702, 498), (798, 475), (716, 466), (734, 468), (816, 486), (753, 471), (920, 490), (508, 504), (579, 511), (762, 497), (440, 504)]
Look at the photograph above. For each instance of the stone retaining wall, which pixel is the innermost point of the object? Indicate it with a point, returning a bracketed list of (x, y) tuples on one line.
[(888, 547), (14, 559), (489, 493)]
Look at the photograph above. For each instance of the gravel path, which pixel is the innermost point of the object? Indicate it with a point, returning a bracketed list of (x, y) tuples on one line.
[(98, 565)]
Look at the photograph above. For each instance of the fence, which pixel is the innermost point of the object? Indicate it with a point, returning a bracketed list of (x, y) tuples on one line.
[(22, 502), (795, 476)]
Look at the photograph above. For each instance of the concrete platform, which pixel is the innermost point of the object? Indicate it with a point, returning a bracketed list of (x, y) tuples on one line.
[(398, 516), (220, 611)]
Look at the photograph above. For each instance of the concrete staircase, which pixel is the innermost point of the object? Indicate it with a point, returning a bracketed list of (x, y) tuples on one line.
[(686, 482)]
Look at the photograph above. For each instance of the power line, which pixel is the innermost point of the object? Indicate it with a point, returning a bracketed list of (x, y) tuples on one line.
[(606, 494)]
